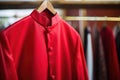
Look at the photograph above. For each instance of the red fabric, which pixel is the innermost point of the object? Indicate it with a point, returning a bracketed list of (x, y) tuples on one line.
[(110, 54), (41, 47)]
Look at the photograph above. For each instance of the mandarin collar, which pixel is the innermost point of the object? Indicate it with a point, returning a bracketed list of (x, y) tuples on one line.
[(41, 19)]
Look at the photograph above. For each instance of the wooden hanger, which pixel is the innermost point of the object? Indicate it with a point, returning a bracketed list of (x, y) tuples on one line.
[(46, 4)]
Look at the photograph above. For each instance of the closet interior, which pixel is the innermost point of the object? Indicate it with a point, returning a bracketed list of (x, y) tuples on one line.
[(96, 21)]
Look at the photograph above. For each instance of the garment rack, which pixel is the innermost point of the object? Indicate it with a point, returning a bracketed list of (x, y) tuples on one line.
[(88, 18), (82, 18)]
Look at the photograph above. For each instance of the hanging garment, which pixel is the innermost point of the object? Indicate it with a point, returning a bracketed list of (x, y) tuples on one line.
[(110, 54), (89, 52), (41, 46), (117, 39), (90, 57), (100, 71), (115, 31), (118, 46), (95, 35), (85, 40)]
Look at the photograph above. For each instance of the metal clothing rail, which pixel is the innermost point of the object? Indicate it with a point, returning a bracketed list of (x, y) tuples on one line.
[(88, 18), (81, 18)]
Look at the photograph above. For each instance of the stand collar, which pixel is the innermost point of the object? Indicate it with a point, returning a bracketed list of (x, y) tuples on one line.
[(45, 18)]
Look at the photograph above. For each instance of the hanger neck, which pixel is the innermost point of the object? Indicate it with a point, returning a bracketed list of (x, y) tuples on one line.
[(46, 4)]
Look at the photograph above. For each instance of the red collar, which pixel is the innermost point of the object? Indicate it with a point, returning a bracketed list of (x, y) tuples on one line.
[(45, 18)]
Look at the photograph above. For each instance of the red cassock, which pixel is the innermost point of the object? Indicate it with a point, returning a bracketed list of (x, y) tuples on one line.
[(41, 46)]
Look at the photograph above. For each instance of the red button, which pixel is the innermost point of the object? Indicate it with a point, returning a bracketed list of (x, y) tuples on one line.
[(50, 48), (53, 77), (47, 30)]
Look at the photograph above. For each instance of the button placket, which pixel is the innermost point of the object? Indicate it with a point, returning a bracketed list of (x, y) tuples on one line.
[(50, 53), (50, 48)]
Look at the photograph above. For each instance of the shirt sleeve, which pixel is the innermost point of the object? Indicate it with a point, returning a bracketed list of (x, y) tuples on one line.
[(7, 67), (82, 72)]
